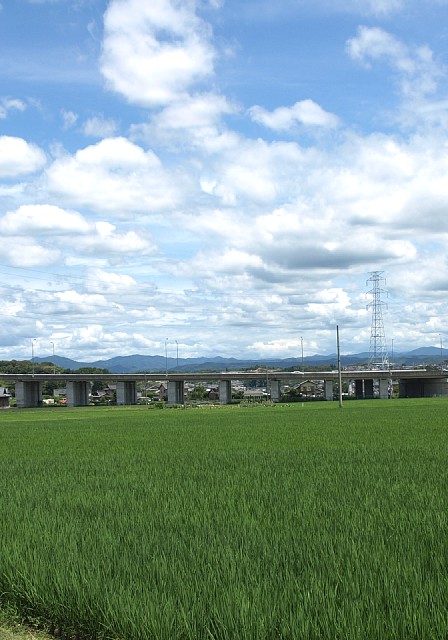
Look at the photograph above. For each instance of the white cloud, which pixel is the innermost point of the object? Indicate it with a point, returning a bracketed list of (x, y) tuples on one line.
[(268, 11), (193, 120), (94, 337), (99, 127), (24, 252), (117, 176), (71, 305), (71, 235), (130, 243), (375, 43), (40, 219), (306, 112), (215, 231), (19, 157), (286, 210), (194, 112), (419, 71), (378, 7), (154, 52), (108, 282), (9, 104), (252, 172), (70, 118)]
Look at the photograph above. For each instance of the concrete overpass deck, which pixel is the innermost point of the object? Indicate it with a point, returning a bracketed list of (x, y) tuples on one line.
[(283, 376), (413, 383)]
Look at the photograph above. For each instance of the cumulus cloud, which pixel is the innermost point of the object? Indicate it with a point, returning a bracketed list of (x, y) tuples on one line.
[(10, 104), (192, 120), (377, 7), (154, 52), (252, 172), (419, 71), (71, 305), (306, 113), (19, 157), (99, 239), (99, 127), (24, 252), (266, 11), (117, 176), (69, 118), (374, 202), (41, 219), (109, 282), (130, 243), (241, 232)]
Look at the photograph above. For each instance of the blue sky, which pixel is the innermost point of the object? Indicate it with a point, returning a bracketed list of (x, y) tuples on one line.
[(223, 174)]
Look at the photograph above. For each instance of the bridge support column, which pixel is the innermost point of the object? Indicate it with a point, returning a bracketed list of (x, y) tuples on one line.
[(78, 393), (126, 392), (433, 388), (384, 388), (175, 391), (359, 389), (275, 390), (225, 392), (328, 389), (28, 394), (412, 388), (368, 388)]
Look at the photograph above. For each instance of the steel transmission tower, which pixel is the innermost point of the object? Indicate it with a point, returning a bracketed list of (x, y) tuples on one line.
[(378, 357)]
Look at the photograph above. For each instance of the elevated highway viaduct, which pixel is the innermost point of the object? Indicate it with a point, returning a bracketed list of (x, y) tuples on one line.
[(412, 383)]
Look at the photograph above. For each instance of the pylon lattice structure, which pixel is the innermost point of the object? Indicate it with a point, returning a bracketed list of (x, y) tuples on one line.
[(378, 356)]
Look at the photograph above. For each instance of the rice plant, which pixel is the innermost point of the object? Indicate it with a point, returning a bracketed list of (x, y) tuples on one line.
[(297, 522)]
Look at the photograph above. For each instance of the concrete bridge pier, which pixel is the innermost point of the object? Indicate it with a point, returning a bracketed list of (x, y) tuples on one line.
[(368, 389), (28, 394), (175, 391), (275, 390), (420, 388), (328, 389), (126, 392), (359, 389), (78, 393), (384, 388), (435, 387), (225, 391)]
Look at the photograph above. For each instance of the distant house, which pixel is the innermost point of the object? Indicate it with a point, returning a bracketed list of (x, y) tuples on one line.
[(4, 398), (213, 393), (163, 392), (310, 389), (104, 396), (255, 395)]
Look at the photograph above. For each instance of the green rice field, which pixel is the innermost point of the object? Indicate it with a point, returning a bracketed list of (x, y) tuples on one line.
[(287, 522)]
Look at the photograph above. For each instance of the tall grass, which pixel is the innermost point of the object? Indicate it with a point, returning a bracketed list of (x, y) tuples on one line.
[(290, 522)]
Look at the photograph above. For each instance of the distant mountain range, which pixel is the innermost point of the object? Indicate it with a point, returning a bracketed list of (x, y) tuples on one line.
[(155, 364)]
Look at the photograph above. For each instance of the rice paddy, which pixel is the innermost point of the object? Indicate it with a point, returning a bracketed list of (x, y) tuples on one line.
[(283, 522)]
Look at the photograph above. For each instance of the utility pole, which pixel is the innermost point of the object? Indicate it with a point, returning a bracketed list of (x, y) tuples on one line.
[(32, 353), (339, 367), (166, 357), (54, 366)]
